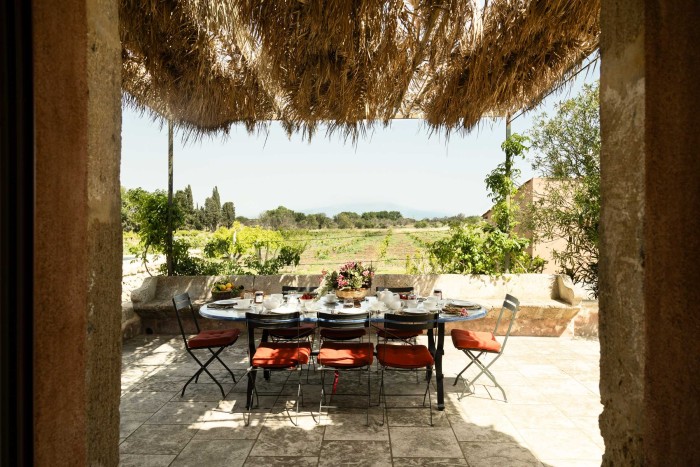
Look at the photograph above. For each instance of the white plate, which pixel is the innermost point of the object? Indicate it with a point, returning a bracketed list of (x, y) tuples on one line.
[(329, 302), (461, 303), (415, 311), (229, 301), (280, 310), (241, 308), (351, 311)]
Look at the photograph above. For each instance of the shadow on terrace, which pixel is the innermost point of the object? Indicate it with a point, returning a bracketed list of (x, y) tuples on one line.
[(551, 417)]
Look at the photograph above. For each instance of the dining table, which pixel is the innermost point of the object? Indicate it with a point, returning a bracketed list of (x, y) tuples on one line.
[(436, 343)]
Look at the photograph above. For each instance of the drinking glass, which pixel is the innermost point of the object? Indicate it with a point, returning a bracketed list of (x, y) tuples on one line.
[(348, 303)]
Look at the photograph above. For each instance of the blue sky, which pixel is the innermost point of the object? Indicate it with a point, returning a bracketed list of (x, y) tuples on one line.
[(402, 165)]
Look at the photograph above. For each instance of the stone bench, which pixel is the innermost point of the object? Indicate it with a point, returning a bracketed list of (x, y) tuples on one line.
[(548, 303)]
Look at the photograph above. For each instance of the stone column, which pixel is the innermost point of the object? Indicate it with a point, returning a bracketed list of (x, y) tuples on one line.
[(622, 307), (77, 63), (649, 325)]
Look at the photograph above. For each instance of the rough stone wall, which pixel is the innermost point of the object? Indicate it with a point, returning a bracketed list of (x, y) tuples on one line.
[(672, 238), (622, 309), (78, 233)]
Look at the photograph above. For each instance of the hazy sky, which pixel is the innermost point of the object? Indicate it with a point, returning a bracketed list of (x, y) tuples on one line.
[(402, 165)]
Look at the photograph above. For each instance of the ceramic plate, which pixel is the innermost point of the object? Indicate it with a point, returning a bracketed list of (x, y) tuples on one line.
[(230, 301), (415, 311), (463, 303), (241, 308)]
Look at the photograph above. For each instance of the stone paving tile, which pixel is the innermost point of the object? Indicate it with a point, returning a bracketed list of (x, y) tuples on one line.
[(361, 453), (284, 461), (421, 461), (423, 442), (145, 460), (184, 413), (157, 439), (203, 392), (144, 401), (130, 421), (352, 427), (589, 426), (288, 441), (214, 453), (552, 443), (416, 417), (536, 416), (488, 454), (230, 429)]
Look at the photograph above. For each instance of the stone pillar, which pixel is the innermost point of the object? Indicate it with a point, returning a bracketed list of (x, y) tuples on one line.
[(649, 328), (77, 361), (672, 234), (621, 301)]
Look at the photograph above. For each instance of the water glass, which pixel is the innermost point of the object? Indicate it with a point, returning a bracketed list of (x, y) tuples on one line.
[(348, 303)]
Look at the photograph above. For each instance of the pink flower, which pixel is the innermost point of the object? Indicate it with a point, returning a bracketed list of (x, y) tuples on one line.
[(365, 273)]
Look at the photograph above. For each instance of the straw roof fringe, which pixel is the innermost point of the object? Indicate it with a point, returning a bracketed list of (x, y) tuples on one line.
[(348, 64)]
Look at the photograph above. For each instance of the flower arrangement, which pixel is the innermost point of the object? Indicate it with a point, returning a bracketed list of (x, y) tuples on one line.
[(351, 275)]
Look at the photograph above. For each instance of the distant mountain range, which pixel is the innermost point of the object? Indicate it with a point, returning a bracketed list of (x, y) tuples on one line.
[(369, 207)]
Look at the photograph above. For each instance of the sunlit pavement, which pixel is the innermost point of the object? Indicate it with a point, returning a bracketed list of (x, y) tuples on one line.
[(551, 417)]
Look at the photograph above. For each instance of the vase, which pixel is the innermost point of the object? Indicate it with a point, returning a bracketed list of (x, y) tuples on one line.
[(355, 294)]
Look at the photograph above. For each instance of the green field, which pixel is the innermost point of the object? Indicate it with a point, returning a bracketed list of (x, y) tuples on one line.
[(387, 249)]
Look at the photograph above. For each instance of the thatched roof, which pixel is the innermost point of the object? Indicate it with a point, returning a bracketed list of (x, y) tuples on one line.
[(208, 65)]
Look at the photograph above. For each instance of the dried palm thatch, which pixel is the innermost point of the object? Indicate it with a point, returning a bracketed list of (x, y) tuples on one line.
[(347, 63), (525, 48)]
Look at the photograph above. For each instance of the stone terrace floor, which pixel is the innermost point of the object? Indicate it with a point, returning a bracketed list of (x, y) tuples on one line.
[(551, 417)]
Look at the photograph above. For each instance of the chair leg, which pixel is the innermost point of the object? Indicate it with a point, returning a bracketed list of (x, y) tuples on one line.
[(382, 396), (250, 398), (203, 367), (369, 389), (466, 352), (224, 365)]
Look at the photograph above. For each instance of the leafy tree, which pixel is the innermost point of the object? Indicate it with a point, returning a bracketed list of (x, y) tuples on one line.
[(228, 214), (151, 216), (567, 149), (279, 218), (186, 202), (212, 210), (130, 200)]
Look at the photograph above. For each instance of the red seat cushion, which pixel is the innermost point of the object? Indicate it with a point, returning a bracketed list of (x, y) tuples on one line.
[(292, 333), (346, 354), (281, 354), (343, 334), (475, 340), (388, 333), (214, 338), (404, 356)]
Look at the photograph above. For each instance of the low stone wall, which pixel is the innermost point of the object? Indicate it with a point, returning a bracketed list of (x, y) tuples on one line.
[(548, 303)]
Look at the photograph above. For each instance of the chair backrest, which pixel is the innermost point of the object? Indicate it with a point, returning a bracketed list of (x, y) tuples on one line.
[(343, 320), (396, 289), (182, 303), (410, 322), (513, 305), (287, 289), (269, 321)]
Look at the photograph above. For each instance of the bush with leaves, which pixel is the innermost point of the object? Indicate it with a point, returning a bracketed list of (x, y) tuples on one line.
[(567, 150), (254, 251)]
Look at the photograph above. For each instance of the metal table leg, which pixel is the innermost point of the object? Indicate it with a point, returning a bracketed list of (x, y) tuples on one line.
[(439, 351)]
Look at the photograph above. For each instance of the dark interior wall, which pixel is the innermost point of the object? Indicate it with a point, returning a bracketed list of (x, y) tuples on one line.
[(672, 233), (77, 240)]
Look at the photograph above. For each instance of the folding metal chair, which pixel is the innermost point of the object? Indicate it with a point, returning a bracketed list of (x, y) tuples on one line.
[(210, 340), (346, 356), (276, 356), (477, 344), (406, 357), (407, 336), (306, 331)]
